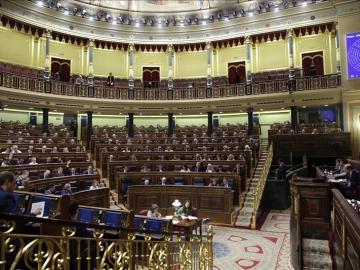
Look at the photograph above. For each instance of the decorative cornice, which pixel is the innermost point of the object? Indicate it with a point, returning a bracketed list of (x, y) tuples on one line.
[(27, 12)]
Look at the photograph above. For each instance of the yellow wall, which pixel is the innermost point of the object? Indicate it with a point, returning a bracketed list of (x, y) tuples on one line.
[(270, 56), (313, 43), (190, 64), (15, 47), (106, 61), (227, 55), (27, 50), (150, 59)]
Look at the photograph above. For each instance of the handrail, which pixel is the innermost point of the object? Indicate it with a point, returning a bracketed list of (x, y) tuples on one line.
[(31, 84), (261, 185), (59, 246)]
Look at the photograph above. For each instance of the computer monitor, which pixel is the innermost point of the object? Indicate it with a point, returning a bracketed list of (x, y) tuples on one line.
[(154, 225), (88, 215), (48, 205), (139, 222), (21, 201), (114, 218)]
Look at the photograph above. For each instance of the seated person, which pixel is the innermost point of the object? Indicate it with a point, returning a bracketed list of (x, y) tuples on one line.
[(339, 166), (22, 178), (225, 183), (8, 202), (350, 188), (154, 211), (163, 181), (147, 182), (187, 209), (213, 183), (66, 190), (199, 167), (50, 190), (210, 168), (94, 185)]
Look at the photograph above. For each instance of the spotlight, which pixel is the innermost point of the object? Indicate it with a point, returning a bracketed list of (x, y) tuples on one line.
[(251, 14), (226, 18), (137, 24), (181, 24), (276, 9), (304, 4), (66, 12), (114, 21), (40, 3), (204, 22), (91, 18)]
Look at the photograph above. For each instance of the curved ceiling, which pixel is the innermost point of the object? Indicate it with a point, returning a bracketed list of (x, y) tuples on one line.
[(161, 6), (164, 22)]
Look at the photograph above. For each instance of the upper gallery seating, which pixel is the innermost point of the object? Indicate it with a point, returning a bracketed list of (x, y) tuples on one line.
[(263, 83)]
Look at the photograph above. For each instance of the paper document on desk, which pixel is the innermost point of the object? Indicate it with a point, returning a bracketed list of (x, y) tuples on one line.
[(36, 206), (192, 218), (168, 217), (337, 180)]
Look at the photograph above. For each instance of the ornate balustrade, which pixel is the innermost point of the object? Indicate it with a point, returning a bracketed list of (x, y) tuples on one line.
[(261, 186), (104, 248), (217, 91)]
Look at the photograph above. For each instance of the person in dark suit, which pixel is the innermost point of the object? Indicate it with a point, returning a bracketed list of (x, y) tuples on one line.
[(7, 199), (110, 80), (351, 187), (281, 170)]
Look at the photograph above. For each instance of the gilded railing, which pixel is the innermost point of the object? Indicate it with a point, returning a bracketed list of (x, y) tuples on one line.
[(121, 93), (261, 185), (102, 249)]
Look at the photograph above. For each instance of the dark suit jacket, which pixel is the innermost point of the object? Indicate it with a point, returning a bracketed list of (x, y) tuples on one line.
[(110, 80), (353, 179), (8, 203)]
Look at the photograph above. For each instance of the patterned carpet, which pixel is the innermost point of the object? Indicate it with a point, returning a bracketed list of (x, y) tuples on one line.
[(266, 249)]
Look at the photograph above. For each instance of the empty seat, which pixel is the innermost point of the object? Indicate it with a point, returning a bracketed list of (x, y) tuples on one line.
[(198, 181), (178, 181)]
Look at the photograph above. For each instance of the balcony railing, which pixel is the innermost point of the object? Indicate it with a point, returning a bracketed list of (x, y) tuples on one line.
[(106, 248), (217, 91)]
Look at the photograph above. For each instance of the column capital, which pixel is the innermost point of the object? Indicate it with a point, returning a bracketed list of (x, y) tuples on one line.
[(91, 43), (170, 47), (131, 47), (290, 32), (208, 45), (248, 39), (48, 33)]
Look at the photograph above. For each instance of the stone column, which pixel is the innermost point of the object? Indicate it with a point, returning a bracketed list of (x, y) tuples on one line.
[(292, 82), (210, 124), (47, 55), (131, 62), (45, 123), (131, 125), (250, 112), (91, 66), (248, 60), (170, 124), (290, 34), (294, 117), (337, 46), (170, 66), (89, 130), (209, 64)]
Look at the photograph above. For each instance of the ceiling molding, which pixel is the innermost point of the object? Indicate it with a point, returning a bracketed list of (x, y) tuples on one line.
[(322, 12)]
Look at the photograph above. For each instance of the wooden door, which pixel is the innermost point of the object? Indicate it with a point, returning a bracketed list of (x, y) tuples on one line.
[(236, 72), (313, 64), (151, 77), (60, 69)]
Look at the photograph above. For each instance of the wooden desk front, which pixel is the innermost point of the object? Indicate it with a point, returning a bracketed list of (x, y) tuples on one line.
[(215, 203)]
